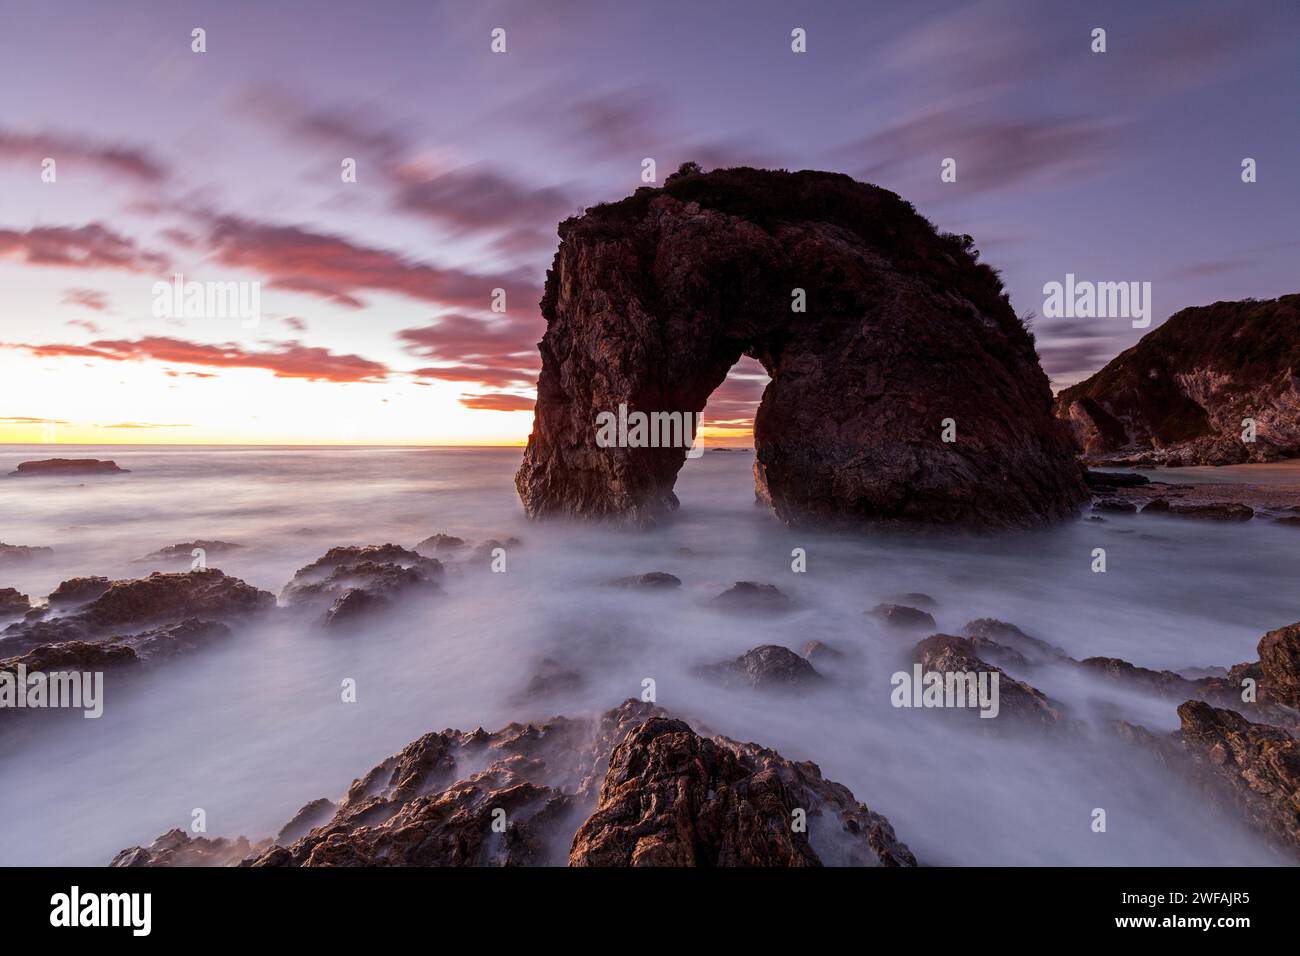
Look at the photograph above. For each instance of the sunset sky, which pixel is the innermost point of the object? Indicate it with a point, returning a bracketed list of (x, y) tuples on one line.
[(376, 328)]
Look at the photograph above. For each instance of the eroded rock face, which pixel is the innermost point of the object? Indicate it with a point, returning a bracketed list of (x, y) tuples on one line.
[(651, 300), (1179, 396), (1258, 764), (351, 583), (674, 798), (649, 788)]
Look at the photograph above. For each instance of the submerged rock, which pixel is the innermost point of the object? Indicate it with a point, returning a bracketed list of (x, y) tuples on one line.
[(650, 581), (68, 466), (1018, 703), (1215, 511), (769, 667), (352, 583), (184, 551), (751, 597), (901, 616), (661, 293)]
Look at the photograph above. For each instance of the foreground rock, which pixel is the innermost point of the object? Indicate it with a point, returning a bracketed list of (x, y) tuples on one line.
[(350, 583), (657, 296), (631, 787), (68, 466), (1258, 764), (1179, 396), (674, 798), (770, 667)]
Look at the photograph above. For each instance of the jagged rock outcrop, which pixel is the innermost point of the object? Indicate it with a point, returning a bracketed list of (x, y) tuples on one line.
[(13, 603), (349, 583), (1258, 764), (133, 606), (651, 300), (517, 796), (14, 553), (674, 798), (1180, 395)]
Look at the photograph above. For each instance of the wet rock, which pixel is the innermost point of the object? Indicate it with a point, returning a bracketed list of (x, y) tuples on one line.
[(184, 551), (1259, 764), (552, 678), (305, 820), (78, 591), (1161, 682), (484, 551), (1118, 505), (352, 583), (435, 802), (769, 667), (13, 604), (822, 655), (68, 466), (1279, 664), (661, 293), (1018, 703), (73, 656), (751, 597), (674, 798), (1214, 511), (901, 616), (1104, 481), (987, 632), (651, 580), (178, 848), (171, 640), (441, 545), (19, 553), (916, 599)]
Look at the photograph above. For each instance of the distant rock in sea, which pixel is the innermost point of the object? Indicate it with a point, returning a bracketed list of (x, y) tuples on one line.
[(1183, 395), (68, 466)]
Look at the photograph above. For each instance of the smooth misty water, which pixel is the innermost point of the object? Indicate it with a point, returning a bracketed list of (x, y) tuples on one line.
[(253, 729)]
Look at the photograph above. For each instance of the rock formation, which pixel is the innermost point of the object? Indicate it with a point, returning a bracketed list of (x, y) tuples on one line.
[(632, 787), (68, 466), (651, 300), (1180, 395)]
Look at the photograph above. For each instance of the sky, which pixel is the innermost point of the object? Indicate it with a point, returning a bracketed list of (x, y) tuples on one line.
[(376, 323)]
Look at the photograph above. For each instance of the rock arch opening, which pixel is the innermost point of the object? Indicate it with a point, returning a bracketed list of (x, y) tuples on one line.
[(903, 390)]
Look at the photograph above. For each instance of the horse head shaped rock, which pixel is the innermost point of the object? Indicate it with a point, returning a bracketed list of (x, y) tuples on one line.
[(904, 390)]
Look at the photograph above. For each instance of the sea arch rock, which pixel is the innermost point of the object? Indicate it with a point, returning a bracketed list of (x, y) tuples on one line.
[(651, 300)]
